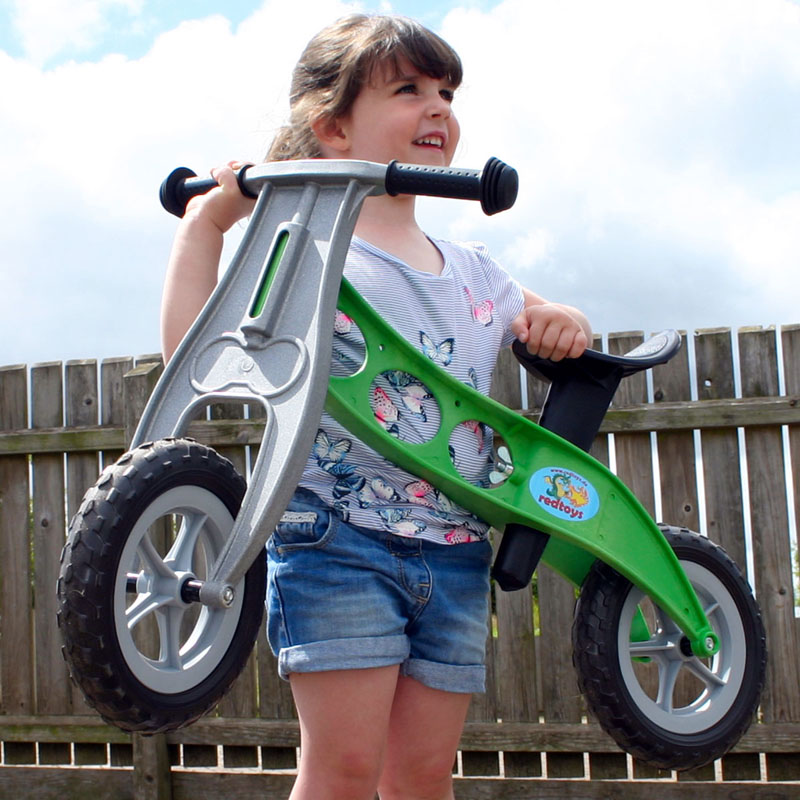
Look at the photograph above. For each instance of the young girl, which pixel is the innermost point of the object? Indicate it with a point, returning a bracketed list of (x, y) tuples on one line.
[(378, 584)]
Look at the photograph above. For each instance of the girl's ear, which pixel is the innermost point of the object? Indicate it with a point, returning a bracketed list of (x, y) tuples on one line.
[(331, 135)]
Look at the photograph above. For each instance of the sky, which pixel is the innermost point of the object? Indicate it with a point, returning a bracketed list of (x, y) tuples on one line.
[(656, 144)]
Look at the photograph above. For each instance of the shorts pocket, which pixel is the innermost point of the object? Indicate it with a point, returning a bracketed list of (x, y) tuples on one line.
[(303, 527)]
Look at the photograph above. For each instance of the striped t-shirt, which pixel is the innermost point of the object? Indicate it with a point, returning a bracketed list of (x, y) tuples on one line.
[(460, 319)]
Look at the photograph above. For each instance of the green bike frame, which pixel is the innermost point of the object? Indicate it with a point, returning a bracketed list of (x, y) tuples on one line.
[(614, 526)]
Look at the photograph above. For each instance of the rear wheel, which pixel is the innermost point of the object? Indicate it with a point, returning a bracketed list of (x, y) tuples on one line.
[(146, 656), (660, 702)]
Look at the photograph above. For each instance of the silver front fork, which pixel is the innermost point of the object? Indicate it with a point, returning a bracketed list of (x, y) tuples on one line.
[(265, 336)]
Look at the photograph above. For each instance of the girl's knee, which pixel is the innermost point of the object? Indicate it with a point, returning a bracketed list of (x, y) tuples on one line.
[(431, 779), (352, 773)]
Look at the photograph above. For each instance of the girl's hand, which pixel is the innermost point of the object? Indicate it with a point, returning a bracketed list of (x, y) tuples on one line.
[(225, 205), (550, 331), (194, 260)]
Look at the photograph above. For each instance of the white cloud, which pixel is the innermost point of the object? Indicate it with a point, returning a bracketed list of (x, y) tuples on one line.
[(46, 28), (669, 123), (656, 145), (85, 147)]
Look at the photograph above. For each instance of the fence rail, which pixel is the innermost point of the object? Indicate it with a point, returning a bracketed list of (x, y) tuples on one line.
[(710, 441)]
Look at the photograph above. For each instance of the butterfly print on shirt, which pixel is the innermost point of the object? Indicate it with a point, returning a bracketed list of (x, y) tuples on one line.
[(441, 353), (482, 310), (330, 457)]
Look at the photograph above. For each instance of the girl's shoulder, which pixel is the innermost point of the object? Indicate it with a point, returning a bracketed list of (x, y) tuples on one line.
[(472, 257), (465, 249)]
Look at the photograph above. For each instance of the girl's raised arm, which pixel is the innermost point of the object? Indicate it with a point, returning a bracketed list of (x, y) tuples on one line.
[(194, 261)]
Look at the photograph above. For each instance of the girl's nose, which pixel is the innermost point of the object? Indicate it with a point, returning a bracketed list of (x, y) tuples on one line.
[(439, 107)]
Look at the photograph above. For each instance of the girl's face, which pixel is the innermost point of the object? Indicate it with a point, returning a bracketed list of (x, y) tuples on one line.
[(405, 116)]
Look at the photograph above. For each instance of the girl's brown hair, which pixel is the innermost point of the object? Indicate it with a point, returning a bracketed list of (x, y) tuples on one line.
[(341, 59)]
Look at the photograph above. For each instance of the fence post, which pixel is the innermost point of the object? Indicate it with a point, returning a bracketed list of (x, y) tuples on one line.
[(49, 532), (16, 650), (137, 386), (151, 774)]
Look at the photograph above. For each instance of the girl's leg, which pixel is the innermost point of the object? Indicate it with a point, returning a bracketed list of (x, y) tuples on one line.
[(424, 730), (344, 716)]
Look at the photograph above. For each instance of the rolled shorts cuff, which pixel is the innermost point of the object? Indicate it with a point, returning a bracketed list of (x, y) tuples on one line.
[(334, 654), (462, 678)]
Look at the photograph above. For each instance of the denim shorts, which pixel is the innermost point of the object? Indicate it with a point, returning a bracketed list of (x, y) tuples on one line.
[(344, 597)]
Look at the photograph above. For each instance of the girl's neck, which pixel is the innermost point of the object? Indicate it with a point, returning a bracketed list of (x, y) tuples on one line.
[(390, 224)]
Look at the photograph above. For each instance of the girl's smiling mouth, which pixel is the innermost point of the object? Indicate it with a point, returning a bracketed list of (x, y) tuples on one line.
[(432, 140)]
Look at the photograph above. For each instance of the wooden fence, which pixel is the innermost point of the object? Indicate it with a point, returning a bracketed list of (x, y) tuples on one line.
[(710, 441)]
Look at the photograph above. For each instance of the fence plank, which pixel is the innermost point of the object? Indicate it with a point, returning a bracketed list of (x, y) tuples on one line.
[(505, 386), (16, 651), (560, 699), (49, 531), (676, 453), (81, 410), (515, 656), (769, 516), (483, 707), (790, 339), (632, 450), (151, 776), (722, 475), (112, 387), (53, 783), (137, 386)]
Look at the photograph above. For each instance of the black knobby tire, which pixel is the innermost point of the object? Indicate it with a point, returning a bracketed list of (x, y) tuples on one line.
[(658, 701), (145, 659)]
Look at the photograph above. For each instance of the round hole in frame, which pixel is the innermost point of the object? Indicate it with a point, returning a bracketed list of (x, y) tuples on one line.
[(404, 406)]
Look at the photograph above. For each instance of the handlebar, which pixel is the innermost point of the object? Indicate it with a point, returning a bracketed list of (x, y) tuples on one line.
[(495, 186), (182, 184)]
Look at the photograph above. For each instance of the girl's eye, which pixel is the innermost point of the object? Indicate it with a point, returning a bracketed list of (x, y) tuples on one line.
[(447, 94), (408, 88)]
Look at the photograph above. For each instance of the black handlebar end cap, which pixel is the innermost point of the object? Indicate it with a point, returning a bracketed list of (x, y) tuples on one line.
[(240, 180), (171, 195), (499, 186)]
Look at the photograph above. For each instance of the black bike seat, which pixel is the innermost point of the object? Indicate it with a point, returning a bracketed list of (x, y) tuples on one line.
[(658, 349)]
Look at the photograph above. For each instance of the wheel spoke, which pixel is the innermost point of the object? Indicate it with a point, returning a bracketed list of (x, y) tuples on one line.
[(707, 676), (664, 622), (652, 648), (169, 630), (144, 604), (182, 552), (710, 609), (667, 678), (152, 559)]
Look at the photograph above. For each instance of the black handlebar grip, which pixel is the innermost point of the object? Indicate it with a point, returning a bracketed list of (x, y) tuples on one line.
[(495, 185), (182, 184)]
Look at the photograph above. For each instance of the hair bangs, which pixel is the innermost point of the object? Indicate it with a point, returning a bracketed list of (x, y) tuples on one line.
[(396, 39)]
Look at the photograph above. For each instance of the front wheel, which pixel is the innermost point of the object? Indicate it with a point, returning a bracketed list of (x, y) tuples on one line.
[(659, 701), (147, 657)]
